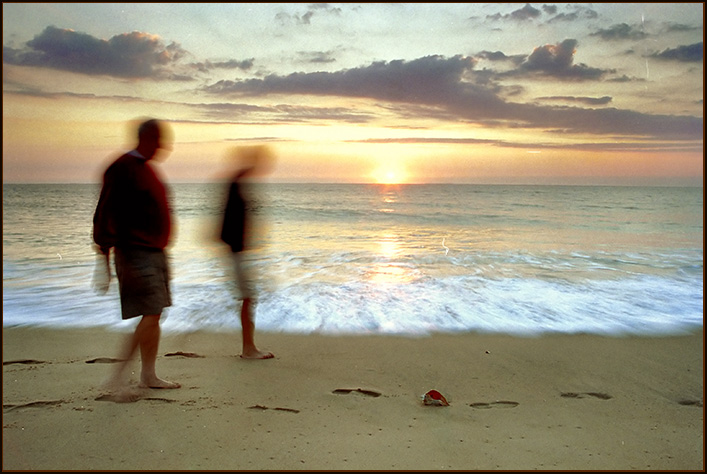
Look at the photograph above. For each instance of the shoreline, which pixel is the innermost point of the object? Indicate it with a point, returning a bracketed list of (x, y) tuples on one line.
[(550, 402)]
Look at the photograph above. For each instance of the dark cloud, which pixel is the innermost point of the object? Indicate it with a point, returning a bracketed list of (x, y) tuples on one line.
[(428, 79), (550, 9), (326, 7), (578, 12), (129, 55), (611, 121), (282, 113), (678, 27), (443, 85), (625, 78), (658, 146), (245, 64), (584, 100), (556, 60), (621, 31), (528, 12), (317, 57), (691, 53), (493, 55), (34, 92), (306, 18), (497, 56), (206, 66)]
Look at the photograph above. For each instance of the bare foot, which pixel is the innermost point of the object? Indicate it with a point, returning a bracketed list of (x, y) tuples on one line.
[(124, 395), (257, 355), (158, 383)]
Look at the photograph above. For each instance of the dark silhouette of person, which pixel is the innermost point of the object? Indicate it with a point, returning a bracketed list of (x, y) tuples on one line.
[(133, 218), (236, 232)]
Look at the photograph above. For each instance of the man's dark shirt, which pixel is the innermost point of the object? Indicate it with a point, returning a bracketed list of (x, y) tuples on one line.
[(132, 209)]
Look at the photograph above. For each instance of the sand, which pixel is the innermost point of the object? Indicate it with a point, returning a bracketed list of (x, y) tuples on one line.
[(556, 402)]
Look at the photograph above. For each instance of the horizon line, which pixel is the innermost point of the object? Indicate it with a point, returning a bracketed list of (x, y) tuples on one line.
[(618, 182)]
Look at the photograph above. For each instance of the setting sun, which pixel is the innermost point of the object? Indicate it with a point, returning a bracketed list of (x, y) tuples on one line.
[(390, 174)]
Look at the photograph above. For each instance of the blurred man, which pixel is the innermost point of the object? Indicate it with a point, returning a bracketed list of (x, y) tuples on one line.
[(134, 219)]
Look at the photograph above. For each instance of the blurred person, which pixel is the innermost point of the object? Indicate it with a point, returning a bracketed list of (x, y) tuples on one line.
[(133, 218), (236, 231)]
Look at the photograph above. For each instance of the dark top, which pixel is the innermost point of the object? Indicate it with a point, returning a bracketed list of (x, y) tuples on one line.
[(132, 209), (233, 231)]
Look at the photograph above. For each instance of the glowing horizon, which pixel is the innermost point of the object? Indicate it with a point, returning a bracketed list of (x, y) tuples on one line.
[(587, 94)]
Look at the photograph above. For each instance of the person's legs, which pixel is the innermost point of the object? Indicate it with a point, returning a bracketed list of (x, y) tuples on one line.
[(143, 277), (146, 337), (117, 380), (147, 334), (249, 349)]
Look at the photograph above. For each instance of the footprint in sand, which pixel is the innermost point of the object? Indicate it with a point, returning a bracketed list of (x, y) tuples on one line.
[(370, 393), (39, 403), (602, 396), (263, 407), (691, 403), (496, 404), (184, 354), (103, 360), (24, 361), (129, 397)]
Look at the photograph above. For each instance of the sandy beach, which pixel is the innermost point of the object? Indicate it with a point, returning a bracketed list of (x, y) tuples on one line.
[(556, 402)]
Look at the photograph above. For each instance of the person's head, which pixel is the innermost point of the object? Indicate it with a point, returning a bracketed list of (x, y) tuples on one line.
[(256, 160), (152, 135)]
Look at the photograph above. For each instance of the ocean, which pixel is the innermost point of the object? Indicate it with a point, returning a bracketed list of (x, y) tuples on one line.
[(384, 259)]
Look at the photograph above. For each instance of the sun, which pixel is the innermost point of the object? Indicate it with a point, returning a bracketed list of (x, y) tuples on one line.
[(390, 174)]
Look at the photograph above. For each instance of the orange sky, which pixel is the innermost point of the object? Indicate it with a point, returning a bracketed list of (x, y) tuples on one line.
[(480, 93)]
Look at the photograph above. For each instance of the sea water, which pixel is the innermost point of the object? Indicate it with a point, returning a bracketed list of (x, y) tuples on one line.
[(383, 259)]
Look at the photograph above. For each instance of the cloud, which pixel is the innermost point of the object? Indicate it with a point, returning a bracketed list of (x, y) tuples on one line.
[(578, 12), (281, 113), (556, 60), (306, 18), (317, 57), (584, 100), (679, 27), (426, 80), (625, 78), (691, 53), (659, 147), (130, 55), (612, 121), (206, 66), (493, 55), (443, 85), (528, 12), (621, 31), (550, 9)]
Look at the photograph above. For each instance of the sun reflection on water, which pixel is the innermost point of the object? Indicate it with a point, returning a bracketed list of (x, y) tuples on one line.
[(389, 268), (389, 197)]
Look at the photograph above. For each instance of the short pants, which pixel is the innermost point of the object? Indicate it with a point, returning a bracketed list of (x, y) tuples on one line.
[(143, 279), (244, 286)]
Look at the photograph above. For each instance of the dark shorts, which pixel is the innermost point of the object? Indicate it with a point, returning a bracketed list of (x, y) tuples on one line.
[(244, 285), (143, 279)]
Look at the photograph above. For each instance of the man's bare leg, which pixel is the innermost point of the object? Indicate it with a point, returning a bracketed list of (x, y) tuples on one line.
[(148, 336), (117, 384), (249, 349)]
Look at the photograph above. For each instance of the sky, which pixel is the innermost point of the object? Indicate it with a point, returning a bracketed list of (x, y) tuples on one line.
[(505, 93)]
